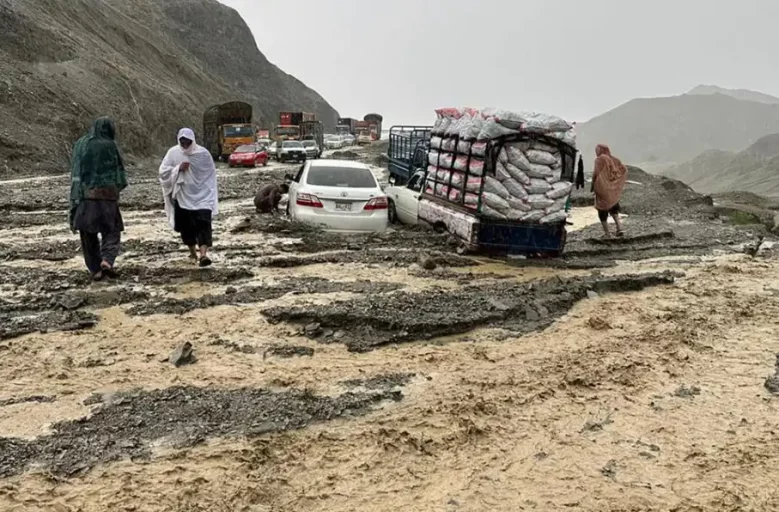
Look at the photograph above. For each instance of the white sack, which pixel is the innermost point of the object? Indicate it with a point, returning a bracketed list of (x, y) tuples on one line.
[(493, 186), (560, 189), (539, 202), (538, 186), (558, 205), (515, 189), (492, 130), (541, 157), (539, 171), (518, 205), (534, 216), (553, 218), (490, 212), (494, 201)]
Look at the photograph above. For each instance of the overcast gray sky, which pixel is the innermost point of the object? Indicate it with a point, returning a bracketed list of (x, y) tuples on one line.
[(574, 58)]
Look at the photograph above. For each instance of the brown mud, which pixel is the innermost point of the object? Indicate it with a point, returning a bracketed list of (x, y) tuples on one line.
[(630, 374)]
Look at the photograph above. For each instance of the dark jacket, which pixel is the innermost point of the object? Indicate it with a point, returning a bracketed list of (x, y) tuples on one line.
[(268, 198)]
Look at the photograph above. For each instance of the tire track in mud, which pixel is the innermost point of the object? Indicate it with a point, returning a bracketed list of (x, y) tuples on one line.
[(128, 424), (376, 320)]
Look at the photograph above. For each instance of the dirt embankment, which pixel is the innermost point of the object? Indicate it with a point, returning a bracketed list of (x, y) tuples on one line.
[(144, 63)]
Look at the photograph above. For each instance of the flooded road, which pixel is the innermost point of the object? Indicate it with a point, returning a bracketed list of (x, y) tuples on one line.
[(336, 373)]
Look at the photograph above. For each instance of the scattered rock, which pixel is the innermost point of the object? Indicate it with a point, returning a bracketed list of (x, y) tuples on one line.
[(231, 290), (599, 324), (94, 399), (685, 392), (596, 425), (531, 314), (427, 262), (772, 382), (28, 399), (610, 469), (313, 330), (288, 351), (591, 294), (183, 355)]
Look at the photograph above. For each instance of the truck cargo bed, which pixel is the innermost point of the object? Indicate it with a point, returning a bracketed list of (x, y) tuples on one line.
[(485, 235)]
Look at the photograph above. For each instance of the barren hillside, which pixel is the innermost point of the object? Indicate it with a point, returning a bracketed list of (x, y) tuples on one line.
[(153, 66), (676, 129), (755, 169)]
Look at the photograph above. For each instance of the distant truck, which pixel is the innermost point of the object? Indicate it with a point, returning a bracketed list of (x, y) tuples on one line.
[(346, 126), (300, 126), (226, 127), (375, 121), (289, 125)]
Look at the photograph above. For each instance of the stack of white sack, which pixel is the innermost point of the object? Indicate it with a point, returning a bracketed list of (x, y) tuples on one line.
[(526, 184)]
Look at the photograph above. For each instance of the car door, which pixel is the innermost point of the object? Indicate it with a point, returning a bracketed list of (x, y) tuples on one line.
[(294, 185), (407, 202)]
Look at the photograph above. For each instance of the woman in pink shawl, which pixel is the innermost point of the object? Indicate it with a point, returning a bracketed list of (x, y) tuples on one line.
[(608, 182)]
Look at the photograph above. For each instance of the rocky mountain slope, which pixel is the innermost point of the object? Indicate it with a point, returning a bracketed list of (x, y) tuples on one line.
[(739, 94), (676, 129), (755, 169), (152, 66)]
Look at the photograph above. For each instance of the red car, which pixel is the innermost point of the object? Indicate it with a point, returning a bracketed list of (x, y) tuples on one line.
[(249, 155)]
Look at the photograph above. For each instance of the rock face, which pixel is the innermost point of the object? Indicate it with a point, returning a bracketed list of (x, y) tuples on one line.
[(153, 66)]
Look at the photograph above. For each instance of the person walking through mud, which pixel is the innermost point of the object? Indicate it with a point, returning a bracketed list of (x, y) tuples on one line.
[(189, 189), (608, 181), (269, 196), (97, 176)]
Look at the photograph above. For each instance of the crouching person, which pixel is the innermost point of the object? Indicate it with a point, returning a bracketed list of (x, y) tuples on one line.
[(268, 197), (97, 176), (189, 189)]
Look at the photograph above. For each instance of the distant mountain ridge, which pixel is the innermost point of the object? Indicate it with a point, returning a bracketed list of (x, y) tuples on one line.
[(756, 169), (676, 129), (739, 94)]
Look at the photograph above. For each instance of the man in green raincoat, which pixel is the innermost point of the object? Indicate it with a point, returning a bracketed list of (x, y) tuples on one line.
[(97, 176)]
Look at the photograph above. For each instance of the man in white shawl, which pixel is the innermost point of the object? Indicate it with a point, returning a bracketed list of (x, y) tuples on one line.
[(189, 188)]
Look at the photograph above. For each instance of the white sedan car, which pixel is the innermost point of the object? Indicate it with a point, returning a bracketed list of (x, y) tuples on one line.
[(404, 200), (338, 195)]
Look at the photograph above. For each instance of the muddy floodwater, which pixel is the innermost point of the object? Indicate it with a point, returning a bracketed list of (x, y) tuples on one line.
[(310, 371)]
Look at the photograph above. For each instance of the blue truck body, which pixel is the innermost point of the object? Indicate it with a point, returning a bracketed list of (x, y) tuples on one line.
[(408, 147)]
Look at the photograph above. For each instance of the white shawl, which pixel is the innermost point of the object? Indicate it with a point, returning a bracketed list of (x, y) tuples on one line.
[(195, 189)]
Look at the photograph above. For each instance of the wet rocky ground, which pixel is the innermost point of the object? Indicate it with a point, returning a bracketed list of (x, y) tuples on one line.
[(369, 322), (125, 425), (305, 291)]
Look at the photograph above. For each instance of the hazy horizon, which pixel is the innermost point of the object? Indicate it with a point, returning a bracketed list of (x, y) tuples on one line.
[(577, 59)]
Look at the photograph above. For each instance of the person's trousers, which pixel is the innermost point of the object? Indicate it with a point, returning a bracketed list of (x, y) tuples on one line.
[(194, 226), (96, 250)]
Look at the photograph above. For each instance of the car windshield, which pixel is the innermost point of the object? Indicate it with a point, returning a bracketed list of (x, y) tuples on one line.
[(246, 149), (309, 143), (239, 131), (292, 144), (345, 177)]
